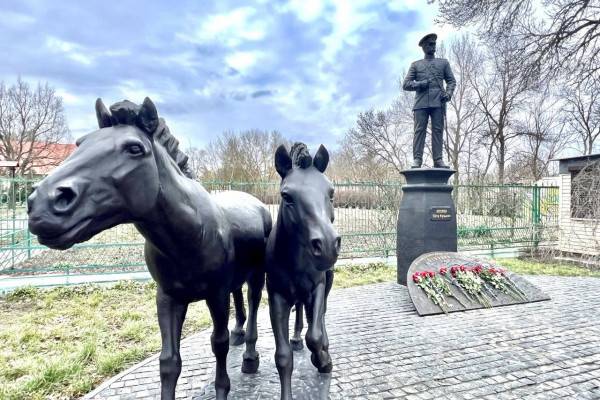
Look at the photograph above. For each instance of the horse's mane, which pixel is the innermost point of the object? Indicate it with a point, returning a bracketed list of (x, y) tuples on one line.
[(300, 155), (126, 112)]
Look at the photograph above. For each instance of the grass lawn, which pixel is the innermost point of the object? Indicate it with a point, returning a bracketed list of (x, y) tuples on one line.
[(61, 343), (528, 267)]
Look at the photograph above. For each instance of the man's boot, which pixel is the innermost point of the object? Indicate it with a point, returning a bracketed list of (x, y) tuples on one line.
[(417, 162), (439, 163)]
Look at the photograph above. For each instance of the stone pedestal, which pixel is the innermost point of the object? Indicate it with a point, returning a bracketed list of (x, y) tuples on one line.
[(427, 217)]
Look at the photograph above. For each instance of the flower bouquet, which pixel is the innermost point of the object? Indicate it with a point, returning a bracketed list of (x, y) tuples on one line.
[(436, 288), (477, 283)]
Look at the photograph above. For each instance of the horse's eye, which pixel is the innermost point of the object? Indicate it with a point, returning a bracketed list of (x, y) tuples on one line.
[(287, 198), (134, 149)]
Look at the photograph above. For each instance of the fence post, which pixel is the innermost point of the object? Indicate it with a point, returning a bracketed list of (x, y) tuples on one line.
[(536, 215), (14, 216)]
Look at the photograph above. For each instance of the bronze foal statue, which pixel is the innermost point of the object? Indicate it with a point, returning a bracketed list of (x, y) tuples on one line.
[(301, 252)]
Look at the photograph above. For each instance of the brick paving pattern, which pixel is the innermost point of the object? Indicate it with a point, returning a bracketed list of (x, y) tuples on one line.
[(382, 349)]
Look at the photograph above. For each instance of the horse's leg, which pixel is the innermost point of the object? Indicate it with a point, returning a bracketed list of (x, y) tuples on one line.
[(328, 285), (171, 314), (279, 311), (255, 286), (296, 340), (237, 335), (218, 306), (314, 334)]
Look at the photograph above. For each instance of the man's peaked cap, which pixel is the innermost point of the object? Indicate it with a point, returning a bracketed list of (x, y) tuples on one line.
[(426, 37)]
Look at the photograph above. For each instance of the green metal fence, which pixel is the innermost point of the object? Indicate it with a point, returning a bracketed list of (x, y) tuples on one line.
[(491, 219)]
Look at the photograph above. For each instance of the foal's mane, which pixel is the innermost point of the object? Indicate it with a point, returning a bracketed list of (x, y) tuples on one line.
[(126, 112), (300, 156)]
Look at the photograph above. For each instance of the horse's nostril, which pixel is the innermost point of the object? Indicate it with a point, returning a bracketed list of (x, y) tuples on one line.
[(338, 244), (317, 246), (64, 198)]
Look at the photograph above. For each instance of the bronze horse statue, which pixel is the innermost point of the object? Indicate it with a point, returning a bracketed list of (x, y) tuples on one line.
[(198, 246), (301, 252)]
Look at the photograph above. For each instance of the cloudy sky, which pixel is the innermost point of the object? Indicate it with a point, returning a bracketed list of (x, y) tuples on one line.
[(303, 67)]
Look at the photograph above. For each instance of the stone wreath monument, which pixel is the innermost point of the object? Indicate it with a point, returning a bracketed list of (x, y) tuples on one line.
[(427, 216)]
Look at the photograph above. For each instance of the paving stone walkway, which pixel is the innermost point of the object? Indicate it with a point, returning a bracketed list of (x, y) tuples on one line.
[(382, 349)]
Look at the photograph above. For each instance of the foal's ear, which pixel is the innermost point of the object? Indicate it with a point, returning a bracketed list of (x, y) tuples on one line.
[(321, 159), (148, 116), (283, 161), (103, 115)]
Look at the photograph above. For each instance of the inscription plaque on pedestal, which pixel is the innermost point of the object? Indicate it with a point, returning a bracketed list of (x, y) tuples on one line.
[(441, 213)]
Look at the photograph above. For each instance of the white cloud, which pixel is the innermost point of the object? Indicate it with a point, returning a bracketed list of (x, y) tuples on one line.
[(68, 98), (136, 92), (72, 50), (243, 60), (16, 19), (231, 28), (306, 10), (347, 20)]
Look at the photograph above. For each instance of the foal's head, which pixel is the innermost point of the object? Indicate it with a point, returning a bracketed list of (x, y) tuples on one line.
[(306, 210)]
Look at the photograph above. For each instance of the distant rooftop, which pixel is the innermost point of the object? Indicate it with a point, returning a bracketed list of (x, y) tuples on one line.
[(570, 164)]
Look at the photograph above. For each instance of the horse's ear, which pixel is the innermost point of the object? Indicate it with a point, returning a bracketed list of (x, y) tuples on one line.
[(283, 161), (103, 115), (321, 159), (148, 116)]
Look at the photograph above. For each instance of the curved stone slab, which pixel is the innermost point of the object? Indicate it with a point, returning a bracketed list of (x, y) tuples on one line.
[(307, 382), (433, 261)]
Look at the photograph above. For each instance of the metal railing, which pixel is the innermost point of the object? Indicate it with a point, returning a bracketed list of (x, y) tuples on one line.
[(491, 219)]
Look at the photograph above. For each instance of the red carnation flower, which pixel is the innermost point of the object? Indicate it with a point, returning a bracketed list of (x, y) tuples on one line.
[(443, 270)]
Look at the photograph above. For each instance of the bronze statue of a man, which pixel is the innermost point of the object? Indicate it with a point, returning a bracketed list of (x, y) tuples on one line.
[(426, 77)]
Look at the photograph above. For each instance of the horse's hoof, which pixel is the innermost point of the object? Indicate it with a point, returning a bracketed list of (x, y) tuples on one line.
[(322, 368), (250, 365), (237, 338), (297, 344), (326, 369)]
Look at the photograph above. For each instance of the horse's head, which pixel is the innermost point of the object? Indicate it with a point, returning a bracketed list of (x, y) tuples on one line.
[(111, 178), (306, 209)]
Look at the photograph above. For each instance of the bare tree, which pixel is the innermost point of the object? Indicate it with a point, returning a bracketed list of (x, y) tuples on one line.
[(244, 157), (385, 135), (583, 231), (542, 135), (203, 163), (500, 86), (582, 111), (553, 34), (32, 122), (353, 163), (464, 120)]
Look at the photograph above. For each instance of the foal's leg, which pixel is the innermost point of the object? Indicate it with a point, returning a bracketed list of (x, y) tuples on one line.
[(171, 314), (296, 340), (219, 340), (279, 311), (251, 357), (237, 335), (314, 335)]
